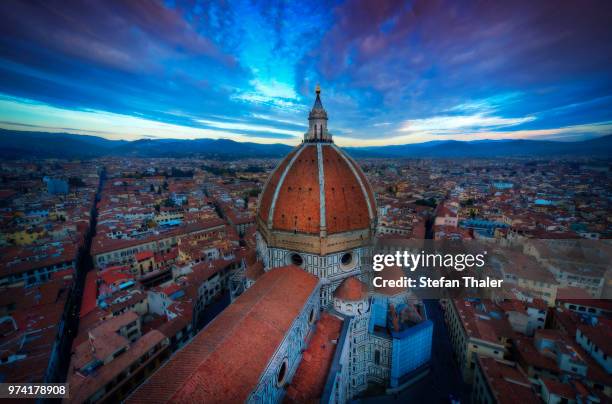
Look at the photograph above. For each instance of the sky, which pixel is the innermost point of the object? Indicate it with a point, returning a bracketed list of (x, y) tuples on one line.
[(391, 72)]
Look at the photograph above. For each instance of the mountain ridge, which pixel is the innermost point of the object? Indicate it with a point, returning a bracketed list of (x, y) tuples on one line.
[(24, 145)]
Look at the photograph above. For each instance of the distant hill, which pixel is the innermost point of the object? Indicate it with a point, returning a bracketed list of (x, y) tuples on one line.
[(600, 147), (36, 145), (223, 148), (22, 144)]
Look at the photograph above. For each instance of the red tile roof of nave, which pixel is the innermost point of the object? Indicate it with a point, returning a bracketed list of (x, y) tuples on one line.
[(224, 362), (346, 207), (309, 380), (268, 192), (298, 204), (351, 290)]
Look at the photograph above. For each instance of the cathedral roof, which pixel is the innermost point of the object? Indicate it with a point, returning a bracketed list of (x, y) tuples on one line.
[(351, 290), (317, 189), (308, 383), (212, 367)]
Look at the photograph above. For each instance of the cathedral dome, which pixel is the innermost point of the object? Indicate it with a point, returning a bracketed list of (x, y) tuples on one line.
[(317, 189), (316, 195)]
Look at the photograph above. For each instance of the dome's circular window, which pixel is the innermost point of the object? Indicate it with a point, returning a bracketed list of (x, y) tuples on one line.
[(347, 261), (296, 259)]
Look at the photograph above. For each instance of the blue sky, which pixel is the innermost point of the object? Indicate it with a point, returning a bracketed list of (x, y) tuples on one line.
[(391, 72)]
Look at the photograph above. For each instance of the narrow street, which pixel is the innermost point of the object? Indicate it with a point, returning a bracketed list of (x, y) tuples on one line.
[(84, 264), (444, 379)]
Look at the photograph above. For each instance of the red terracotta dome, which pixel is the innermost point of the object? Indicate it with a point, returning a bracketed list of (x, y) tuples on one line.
[(351, 290), (316, 194), (317, 189)]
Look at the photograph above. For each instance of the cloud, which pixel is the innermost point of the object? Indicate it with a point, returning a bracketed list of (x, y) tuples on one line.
[(119, 126), (293, 123), (565, 133), (487, 105), (274, 89), (389, 69), (14, 111), (425, 57), (139, 58), (247, 127), (448, 124)]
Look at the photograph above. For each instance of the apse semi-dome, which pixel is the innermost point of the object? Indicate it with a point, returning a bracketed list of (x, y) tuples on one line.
[(351, 290), (317, 199), (351, 297)]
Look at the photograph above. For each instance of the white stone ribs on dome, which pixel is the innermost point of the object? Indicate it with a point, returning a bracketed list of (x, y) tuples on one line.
[(321, 189), (280, 184), (352, 165)]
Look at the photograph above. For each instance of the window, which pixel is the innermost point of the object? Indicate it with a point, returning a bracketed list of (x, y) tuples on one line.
[(281, 376), (296, 259), (311, 316), (347, 261), (377, 357)]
